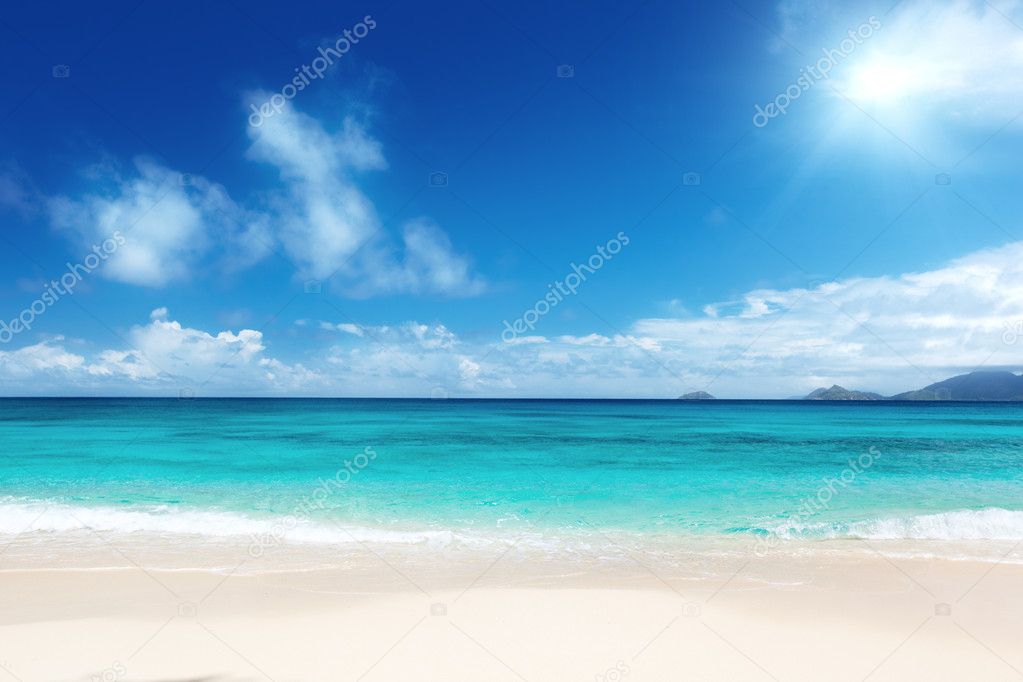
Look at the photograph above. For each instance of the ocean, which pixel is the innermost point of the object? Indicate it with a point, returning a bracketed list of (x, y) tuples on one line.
[(290, 472)]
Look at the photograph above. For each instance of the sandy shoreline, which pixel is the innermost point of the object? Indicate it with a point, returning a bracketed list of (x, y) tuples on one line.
[(789, 616)]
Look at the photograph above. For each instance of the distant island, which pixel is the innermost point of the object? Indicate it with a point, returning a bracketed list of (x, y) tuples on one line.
[(836, 392), (981, 385), (697, 395)]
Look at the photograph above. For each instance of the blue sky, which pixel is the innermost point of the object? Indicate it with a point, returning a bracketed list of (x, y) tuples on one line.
[(374, 234)]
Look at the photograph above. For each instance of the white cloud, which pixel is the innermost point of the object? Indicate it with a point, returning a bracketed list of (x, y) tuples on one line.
[(432, 265), (40, 359), (891, 333), (162, 357), (161, 221), (956, 60), (588, 340), (468, 372), (168, 221), (324, 217), (326, 225), (431, 336), (415, 333), (131, 364), (756, 307), (330, 227), (886, 334), (520, 340), (195, 348), (346, 327)]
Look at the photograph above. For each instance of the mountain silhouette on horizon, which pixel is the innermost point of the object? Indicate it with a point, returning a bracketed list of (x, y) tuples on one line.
[(979, 385)]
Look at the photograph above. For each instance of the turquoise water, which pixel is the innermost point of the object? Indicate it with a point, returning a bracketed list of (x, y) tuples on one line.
[(934, 470)]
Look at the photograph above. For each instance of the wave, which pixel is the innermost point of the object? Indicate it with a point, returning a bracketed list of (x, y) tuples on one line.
[(35, 517), (992, 523), (20, 516)]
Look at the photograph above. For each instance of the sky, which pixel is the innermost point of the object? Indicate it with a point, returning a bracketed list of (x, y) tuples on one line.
[(496, 199)]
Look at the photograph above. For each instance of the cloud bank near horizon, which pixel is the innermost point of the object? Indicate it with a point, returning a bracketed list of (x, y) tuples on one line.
[(886, 334)]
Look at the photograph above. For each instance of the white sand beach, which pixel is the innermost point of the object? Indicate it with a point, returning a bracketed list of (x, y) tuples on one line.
[(798, 614)]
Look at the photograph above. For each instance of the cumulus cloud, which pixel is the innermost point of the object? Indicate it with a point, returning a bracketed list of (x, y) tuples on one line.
[(409, 359), (193, 350), (169, 221), (47, 358), (162, 357), (892, 333), (887, 334), (163, 224)]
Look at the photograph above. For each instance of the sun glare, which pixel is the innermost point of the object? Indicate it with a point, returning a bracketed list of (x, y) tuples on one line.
[(880, 81)]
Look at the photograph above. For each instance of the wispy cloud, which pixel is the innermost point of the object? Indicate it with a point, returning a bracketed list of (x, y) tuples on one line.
[(178, 226), (330, 227)]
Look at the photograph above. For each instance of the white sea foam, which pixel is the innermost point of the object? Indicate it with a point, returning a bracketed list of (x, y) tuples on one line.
[(40, 519), (37, 517), (966, 524)]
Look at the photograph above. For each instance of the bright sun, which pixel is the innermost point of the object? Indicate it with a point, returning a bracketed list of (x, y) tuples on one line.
[(880, 81)]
